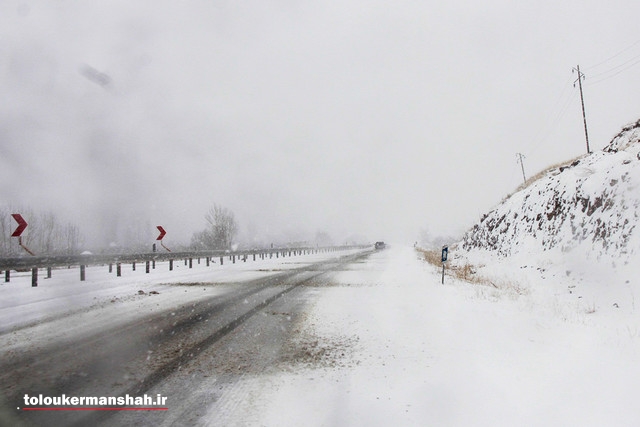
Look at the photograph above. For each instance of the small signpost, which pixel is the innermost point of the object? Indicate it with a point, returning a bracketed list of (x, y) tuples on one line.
[(162, 234), (445, 255), (22, 224)]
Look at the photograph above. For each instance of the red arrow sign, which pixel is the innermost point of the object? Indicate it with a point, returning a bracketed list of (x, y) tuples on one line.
[(22, 224), (162, 232)]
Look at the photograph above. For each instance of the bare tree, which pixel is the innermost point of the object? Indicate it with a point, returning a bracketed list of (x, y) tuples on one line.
[(220, 231), (73, 239), (48, 235), (5, 231), (323, 239)]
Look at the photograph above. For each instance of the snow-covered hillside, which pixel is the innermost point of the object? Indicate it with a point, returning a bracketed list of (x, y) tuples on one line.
[(589, 206)]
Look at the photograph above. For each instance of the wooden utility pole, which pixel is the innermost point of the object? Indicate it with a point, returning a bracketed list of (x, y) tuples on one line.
[(584, 116), (520, 157)]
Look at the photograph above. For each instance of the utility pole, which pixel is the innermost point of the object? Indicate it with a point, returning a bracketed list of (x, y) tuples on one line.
[(520, 157), (584, 116)]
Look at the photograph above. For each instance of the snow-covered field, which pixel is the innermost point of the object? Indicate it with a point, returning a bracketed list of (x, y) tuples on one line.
[(421, 353)]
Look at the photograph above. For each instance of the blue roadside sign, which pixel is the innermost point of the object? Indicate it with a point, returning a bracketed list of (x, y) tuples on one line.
[(445, 253)]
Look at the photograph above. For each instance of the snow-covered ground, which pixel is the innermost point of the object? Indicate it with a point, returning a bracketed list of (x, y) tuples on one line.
[(418, 353), (545, 347)]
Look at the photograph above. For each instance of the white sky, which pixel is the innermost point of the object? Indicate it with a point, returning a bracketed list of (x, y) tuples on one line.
[(351, 117)]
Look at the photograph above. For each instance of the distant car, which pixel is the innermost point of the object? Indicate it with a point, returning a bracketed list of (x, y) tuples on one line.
[(380, 245)]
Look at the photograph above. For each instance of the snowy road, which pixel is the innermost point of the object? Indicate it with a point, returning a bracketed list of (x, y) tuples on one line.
[(214, 340)]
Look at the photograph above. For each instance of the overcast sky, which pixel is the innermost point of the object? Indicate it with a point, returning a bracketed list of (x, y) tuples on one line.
[(352, 117)]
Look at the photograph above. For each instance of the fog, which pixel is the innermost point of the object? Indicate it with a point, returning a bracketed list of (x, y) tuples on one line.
[(354, 118)]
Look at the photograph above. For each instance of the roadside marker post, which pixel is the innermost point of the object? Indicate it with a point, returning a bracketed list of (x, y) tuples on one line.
[(160, 237), (22, 224), (445, 255)]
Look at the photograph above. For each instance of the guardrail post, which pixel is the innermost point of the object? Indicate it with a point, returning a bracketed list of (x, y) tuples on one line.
[(48, 272), (153, 264), (233, 257), (170, 265), (134, 265), (254, 256), (34, 277), (82, 272), (7, 276), (118, 269), (208, 260), (146, 267), (190, 262), (110, 268)]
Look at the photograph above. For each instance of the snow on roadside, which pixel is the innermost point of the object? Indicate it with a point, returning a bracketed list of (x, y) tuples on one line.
[(457, 354)]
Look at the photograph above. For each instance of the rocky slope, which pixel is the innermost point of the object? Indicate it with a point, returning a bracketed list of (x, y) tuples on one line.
[(591, 204)]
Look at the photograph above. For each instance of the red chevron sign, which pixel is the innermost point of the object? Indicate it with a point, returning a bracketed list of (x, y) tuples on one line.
[(22, 224), (162, 232)]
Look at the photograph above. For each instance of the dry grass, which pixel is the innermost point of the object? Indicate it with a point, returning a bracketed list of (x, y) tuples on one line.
[(465, 272), (432, 256), (468, 273), (543, 172)]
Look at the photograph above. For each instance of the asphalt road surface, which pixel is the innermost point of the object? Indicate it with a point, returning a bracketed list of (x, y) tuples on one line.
[(191, 354)]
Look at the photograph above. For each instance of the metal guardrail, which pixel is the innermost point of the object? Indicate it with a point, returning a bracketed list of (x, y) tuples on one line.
[(49, 262)]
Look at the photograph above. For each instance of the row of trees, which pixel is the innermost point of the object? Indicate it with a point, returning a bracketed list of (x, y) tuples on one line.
[(44, 235), (222, 229), (47, 235)]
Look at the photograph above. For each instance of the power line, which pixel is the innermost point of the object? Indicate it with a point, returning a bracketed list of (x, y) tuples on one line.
[(616, 69), (636, 62), (613, 56), (555, 115)]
